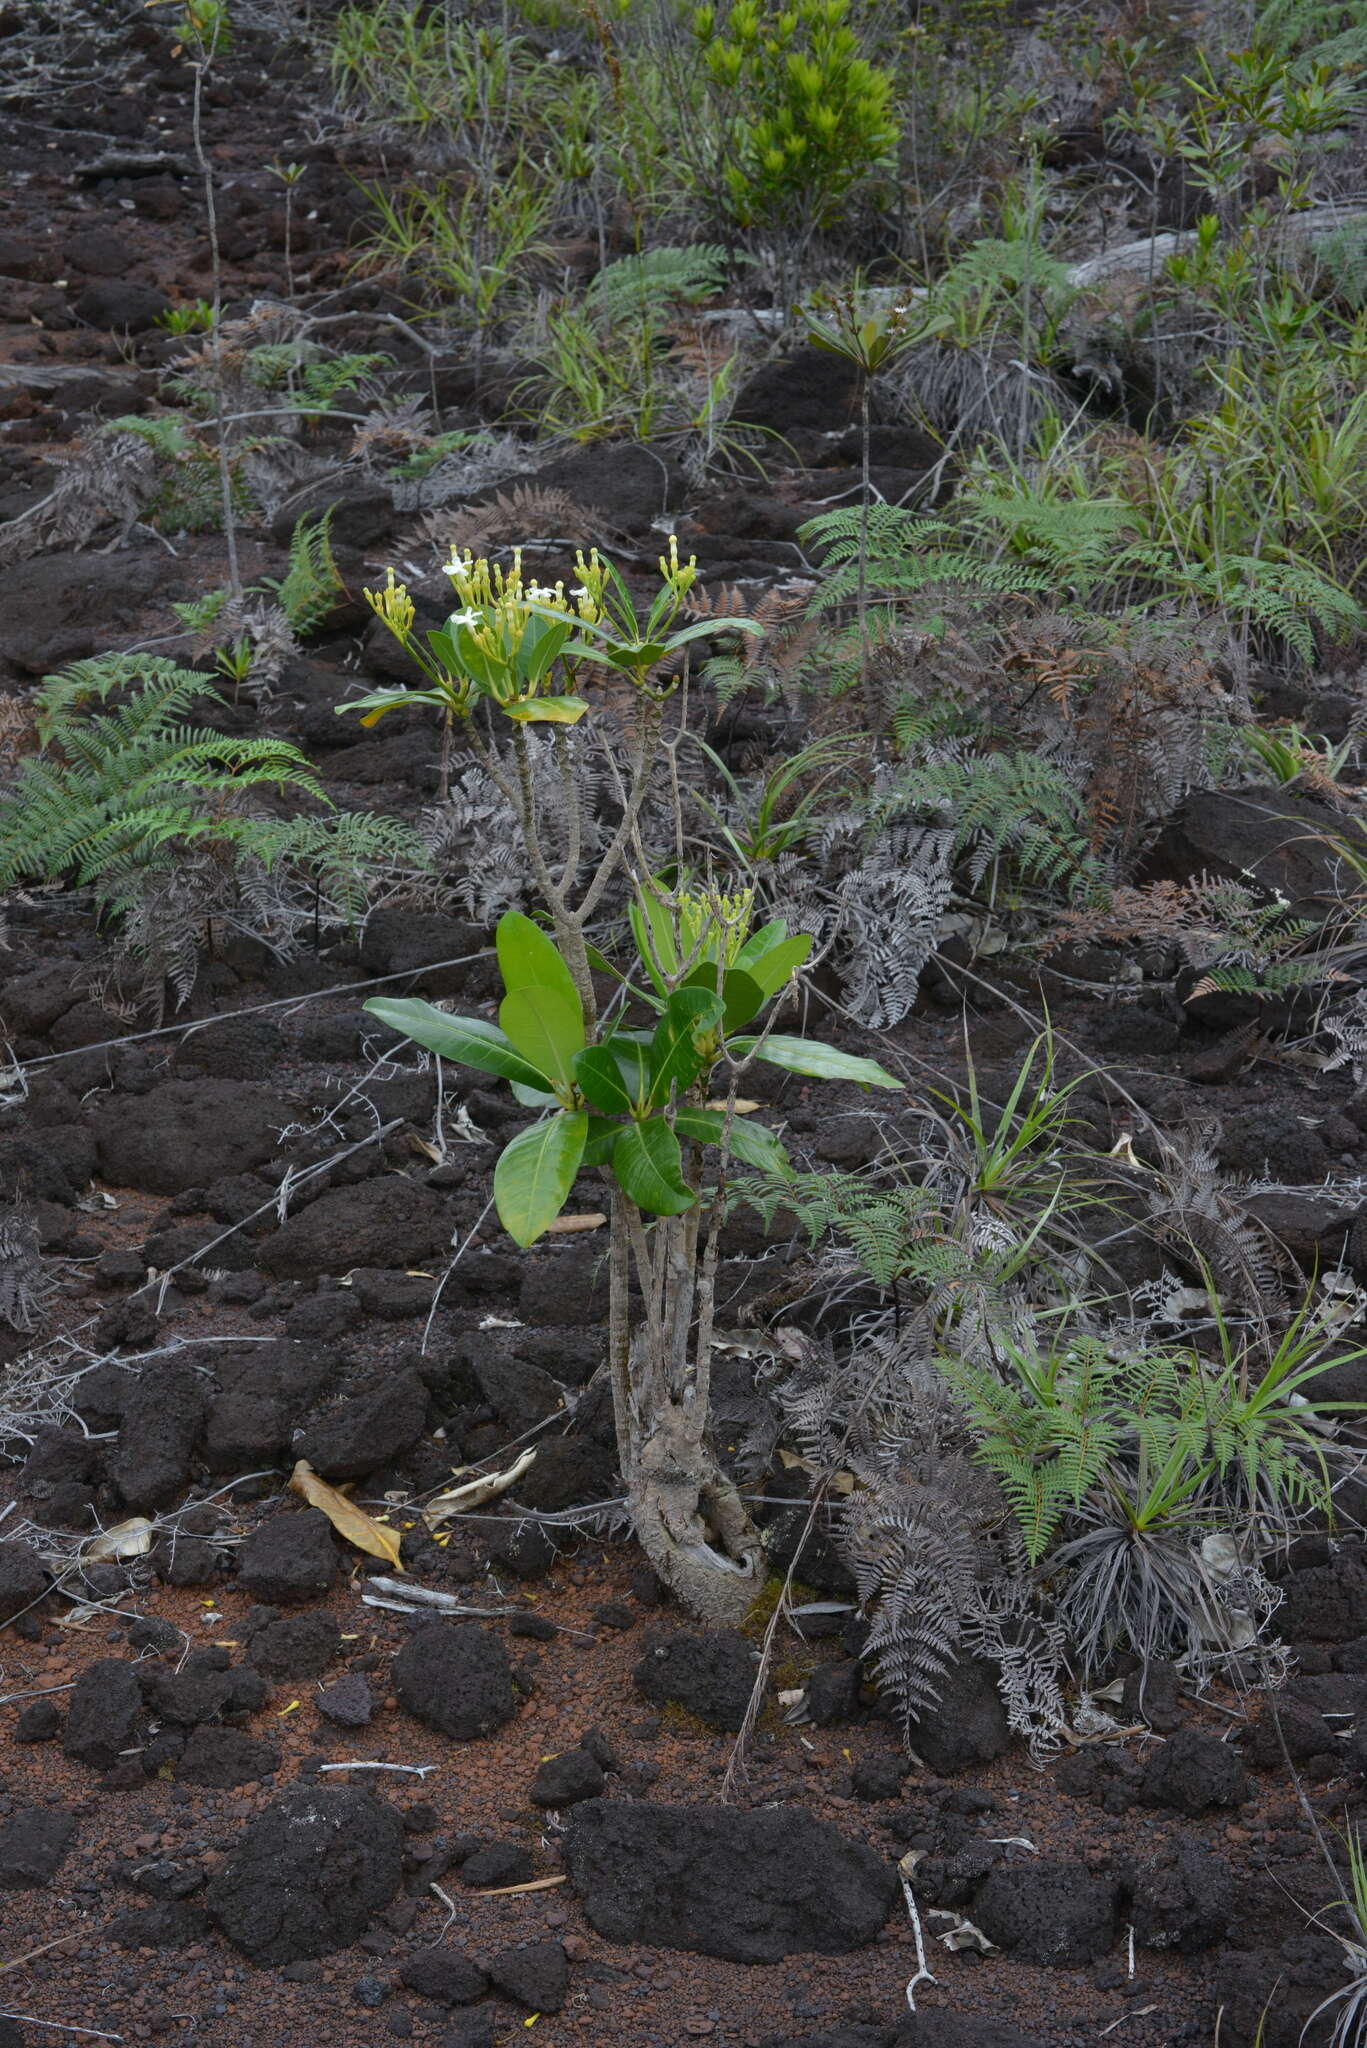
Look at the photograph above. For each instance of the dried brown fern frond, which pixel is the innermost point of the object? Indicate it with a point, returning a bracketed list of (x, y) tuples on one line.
[(1158, 911), (110, 482), (512, 518), (775, 662), (18, 731)]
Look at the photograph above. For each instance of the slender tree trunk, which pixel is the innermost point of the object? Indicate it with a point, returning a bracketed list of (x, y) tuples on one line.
[(225, 478), (872, 710), (689, 1518)]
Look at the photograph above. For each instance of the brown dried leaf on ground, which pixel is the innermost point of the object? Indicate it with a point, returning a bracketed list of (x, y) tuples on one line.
[(347, 1519)]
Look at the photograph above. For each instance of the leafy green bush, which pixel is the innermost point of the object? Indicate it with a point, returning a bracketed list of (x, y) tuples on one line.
[(806, 118)]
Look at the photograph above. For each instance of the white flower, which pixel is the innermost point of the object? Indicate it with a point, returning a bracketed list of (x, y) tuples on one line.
[(471, 618)]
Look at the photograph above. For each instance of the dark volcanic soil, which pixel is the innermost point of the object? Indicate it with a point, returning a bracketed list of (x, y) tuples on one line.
[(153, 1717)]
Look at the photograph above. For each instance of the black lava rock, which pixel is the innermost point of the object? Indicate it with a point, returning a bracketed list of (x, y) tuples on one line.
[(967, 1726), (162, 1419), (348, 1701), (103, 1714), (1051, 1913), (298, 1646), (206, 1688), (184, 1134), (23, 1579), (33, 1843), (308, 1873), (1193, 1772), (446, 1975), (369, 1430), (391, 1222), (537, 1976), (222, 1757), (711, 1675), (496, 1865), (456, 1678), (748, 1887), (291, 1557), (39, 1722), (1185, 1904), (566, 1779)]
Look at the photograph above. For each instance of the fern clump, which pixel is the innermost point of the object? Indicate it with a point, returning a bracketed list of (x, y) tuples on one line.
[(312, 583), (908, 554), (161, 819)]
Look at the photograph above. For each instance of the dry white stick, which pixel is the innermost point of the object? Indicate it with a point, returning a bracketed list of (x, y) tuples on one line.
[(58, 2026), (450, 1919), (428, 1596), (923, 1973), (413, 1770)]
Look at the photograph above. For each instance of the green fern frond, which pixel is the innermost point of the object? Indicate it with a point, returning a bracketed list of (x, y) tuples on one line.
[(312, 583), (657, 279)]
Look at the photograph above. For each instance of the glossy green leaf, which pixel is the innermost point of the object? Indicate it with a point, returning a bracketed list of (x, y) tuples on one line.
[(375, 703), (752, 1144), (653, 929), (649, 1168), (468, 1040), (676, 1056), (443, 651), (547, 1027), (488, 670), (528, 957), (772, 968), (742, 996), (535, 1173), (546, 710), (598, 1072), (601, 1139), (534, 1098), (759, 942), (809, 1056)]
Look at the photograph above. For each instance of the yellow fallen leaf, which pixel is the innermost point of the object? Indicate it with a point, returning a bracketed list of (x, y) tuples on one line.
[(741, 1108), (292, 1708), (346, 1518), (565, 1226)]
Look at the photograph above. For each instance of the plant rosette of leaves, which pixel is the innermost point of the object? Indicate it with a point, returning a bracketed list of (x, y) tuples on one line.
[(630, 1101)]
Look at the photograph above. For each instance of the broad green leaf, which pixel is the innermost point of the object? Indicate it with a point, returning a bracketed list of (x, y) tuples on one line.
[(752, 1144), (741, 994), (375, 703), (653, 929), (649, 1168), (773, 967), (468, 1040), (675, 1055), (542, 640), (809, 1056), (529, 958), (599, 1074), (443, 651), (759, 942), (546, 710), (602, 1137), (601, 962), (547, 1028), (535, 1173), (717, 625), (488, 670), (534, 1098)]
